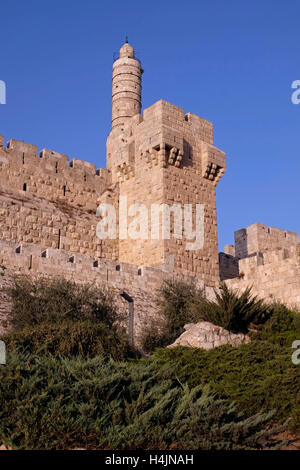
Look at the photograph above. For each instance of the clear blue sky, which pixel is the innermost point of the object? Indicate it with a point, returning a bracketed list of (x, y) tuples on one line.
[(231, 62)]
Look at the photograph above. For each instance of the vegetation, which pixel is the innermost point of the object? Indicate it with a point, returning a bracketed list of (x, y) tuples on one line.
[(257, 376), (282, 327), (182, 303), (60, 317), (42, 300), (174, 300), (72, 381), (234, 312), (57, 403)]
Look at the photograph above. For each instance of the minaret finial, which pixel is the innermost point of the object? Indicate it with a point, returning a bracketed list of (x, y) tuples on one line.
[(126, 39)]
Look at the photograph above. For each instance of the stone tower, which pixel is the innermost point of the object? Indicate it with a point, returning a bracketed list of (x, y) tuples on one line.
[(163, 157), (126, 86)]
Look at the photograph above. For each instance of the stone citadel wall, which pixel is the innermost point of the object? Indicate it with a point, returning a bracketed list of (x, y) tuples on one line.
[(47, 201), (266, 259), (140, 283)]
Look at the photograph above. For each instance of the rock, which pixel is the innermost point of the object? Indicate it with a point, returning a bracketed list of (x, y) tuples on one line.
[(2, 447), (205, 335)]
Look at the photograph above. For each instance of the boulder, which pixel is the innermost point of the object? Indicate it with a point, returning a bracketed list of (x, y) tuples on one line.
[(205, 335)]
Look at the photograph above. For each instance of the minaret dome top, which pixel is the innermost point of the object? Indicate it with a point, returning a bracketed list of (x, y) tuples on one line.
[(127, 51)]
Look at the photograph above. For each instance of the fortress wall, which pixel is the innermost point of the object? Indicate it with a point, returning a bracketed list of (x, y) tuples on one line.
[(32, 220), (48, 201), (140, 283), (273, 275), (50, 175), (146, 187), (260, 238), (228, 265)]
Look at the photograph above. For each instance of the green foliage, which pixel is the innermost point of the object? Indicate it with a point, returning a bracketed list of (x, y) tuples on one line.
[(283, 326), (233, 311), (60, 317), (42, 300), (181, 303), (258, 375), (2, 270), (174, 300), (55, 403), (71, 338)]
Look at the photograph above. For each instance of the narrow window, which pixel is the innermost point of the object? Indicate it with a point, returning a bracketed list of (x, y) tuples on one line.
[(64, 190), (58, 241), (24, 187)]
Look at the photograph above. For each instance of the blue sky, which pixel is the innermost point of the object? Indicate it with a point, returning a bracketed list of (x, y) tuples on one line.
[(231, 62)]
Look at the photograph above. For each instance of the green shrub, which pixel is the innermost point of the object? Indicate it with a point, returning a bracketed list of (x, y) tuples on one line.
[(60, 317), (55, 403), (174, 300), (233, 311), (283, 326), (181, 303), (71, 338), (36, 301), (257, 376)]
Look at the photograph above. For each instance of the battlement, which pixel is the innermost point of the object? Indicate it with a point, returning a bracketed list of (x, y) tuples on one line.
[(272, 276), (267, 259), (22, 149), (150, 137), (50, 174), (261, 238), (24, 258)]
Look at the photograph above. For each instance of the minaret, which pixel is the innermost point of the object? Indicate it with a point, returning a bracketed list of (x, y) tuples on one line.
[(126, 86)]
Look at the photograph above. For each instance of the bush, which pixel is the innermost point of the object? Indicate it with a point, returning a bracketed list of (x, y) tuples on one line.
[(233, 311), (71, 338), (60, 317), (36, 301), (283, 326), (174, 300), (55, 403), (257, 376), (181, 303)]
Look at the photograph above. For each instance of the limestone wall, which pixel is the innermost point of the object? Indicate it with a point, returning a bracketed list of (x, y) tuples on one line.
[(47, 201), (140, 282), (273, 275), (50, 175), (167, 157), (260, 238), (229, 266)]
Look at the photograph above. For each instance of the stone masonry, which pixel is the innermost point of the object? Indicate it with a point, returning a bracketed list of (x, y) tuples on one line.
[(266, 259), (164, 157)]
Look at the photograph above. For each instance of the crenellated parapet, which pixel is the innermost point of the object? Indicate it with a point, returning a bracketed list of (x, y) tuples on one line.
[(50, 174), (267, 259)]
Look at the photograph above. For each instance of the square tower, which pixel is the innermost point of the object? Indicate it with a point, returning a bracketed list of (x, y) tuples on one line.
[(164, 170)]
